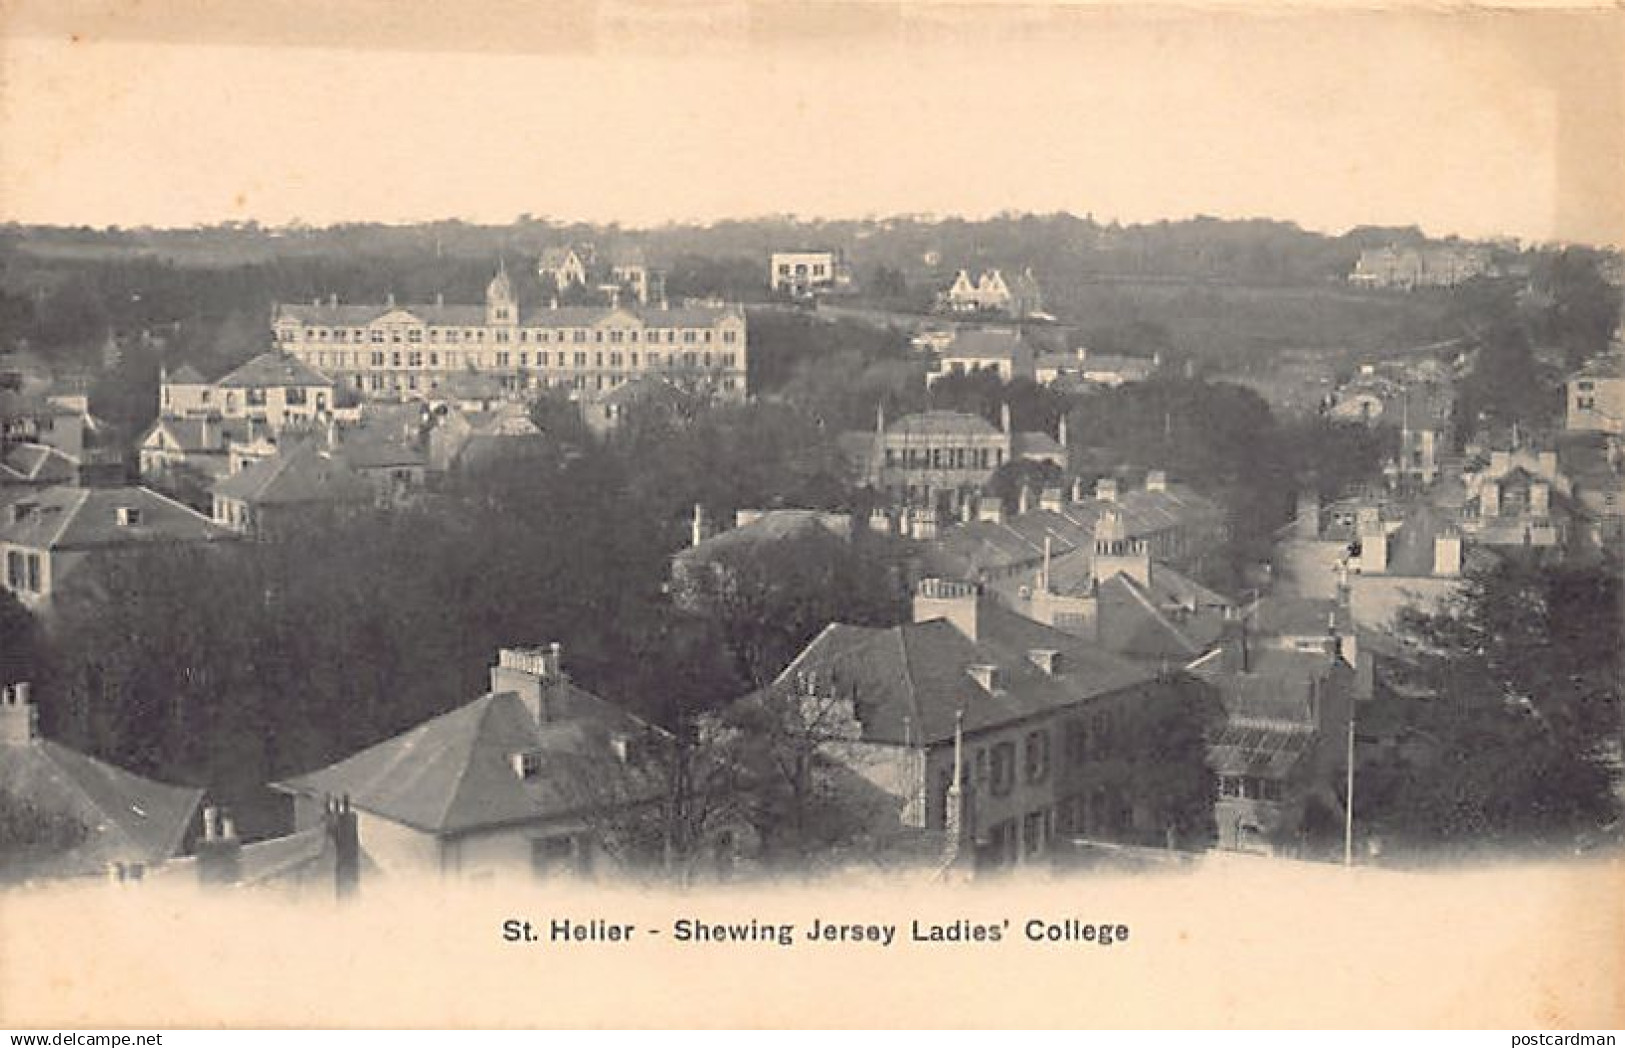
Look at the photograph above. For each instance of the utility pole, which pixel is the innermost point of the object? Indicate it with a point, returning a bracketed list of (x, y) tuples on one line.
[(1348, 802)]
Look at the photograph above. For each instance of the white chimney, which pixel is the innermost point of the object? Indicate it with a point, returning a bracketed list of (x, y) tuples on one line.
[(1373, 548), (958, 602), (1447, 553), (19, 720), (536, 675)]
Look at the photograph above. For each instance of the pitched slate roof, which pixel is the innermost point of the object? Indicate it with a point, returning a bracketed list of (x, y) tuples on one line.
[(462, 315), (66, 518), (1031, 445), (909, 682), (196, 435), (985, 344), (274, 369), (1168, 619), (302, 474), (773, 526), (455, 773), (941, 424), (127, 817), (186, 375), (25, 405), (37, 464)]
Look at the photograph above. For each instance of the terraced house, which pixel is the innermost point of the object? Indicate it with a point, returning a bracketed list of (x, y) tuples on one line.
[(394, 350)]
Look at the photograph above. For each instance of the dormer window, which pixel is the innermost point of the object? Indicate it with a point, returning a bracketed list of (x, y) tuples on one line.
[(527, 765), (128, 516)]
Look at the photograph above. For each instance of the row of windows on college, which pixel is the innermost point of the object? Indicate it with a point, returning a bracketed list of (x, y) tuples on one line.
[(417, 335), (944, 458), (993, 768), (417, 358), (379, 382), (255, 397)]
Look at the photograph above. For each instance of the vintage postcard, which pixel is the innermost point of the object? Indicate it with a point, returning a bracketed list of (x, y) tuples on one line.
[(769, 514)]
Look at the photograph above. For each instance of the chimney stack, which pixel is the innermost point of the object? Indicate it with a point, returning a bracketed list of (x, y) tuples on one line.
[(343, 832), (219, 853), (699, 531), (19, 719), (536, 675), (1004, 418), (1024, 503), (958, 602), (1373, 548), (1447, 553), (1079, 493)]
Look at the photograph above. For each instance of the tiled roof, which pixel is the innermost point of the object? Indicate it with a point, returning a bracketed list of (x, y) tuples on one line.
[(457, 315), (909, 682), (1277, 615), (455, 773), (128, 818), (195, 434), (187, 375), (63, 518), (301, 474), (1115, 364), (1276, 690), (941, 424), (1609, 365), (985, 344), (23, 405), (1029, 445), (37, 464), (274, 369), (774, 526), (1157, 622)]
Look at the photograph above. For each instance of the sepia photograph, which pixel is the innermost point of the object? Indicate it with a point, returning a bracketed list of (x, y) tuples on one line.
[(805, 514)]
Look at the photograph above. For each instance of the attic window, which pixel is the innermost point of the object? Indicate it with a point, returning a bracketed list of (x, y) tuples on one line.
[(986, 676), (1046, 659), (527, 765), (128, 516)]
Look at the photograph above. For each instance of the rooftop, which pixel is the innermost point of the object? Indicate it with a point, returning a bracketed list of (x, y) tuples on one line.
[(909, 683), (64, 518), (303, 473), (455, 773), (126, 818), (274, 369)]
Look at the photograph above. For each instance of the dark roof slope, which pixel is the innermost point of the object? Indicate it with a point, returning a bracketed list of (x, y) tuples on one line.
[(455, 773), (127, 818), (910, 682)]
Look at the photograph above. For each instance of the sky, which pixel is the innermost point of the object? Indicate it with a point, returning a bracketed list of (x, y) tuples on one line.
[(1479, 124)]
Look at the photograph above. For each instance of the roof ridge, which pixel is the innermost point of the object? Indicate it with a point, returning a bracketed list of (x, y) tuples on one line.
[(1133, 586), (47, 748), (908, 680), (466, 760), (81, 496)]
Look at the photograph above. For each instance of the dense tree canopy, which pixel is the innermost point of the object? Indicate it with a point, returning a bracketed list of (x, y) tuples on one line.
[(1512, 705)]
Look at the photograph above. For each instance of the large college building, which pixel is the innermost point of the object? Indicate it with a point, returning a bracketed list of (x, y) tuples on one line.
[(392, 350)]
